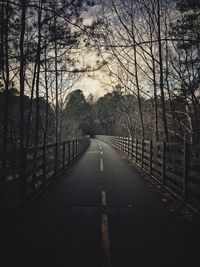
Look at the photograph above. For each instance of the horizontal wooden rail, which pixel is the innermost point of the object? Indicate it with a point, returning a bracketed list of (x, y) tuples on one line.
[(24, 174), (175, 166)]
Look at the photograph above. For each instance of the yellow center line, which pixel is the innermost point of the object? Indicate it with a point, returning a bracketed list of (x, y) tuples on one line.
[(106, 255), (101, 165), (103, 198)]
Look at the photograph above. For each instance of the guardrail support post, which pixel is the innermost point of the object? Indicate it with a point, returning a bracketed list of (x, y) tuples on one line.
[(69, 152), (185, 180), (132, 147), (56, 159), (136, 150), (121, 144), (142, 156), (73, 150), (128, 146), (76, 148), (150, 157), (163, 162), (63, 159), (2, 179), (44, 166), (78, 152), (23, 172)]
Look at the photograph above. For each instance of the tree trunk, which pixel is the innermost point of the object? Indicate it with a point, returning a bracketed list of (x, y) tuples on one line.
[(37, 89), (22, 82), (161, 73), (7, 80), (56, 89)]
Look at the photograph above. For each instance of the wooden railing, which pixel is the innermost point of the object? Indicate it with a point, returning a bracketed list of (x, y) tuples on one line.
[(25, 174), (175, 166)]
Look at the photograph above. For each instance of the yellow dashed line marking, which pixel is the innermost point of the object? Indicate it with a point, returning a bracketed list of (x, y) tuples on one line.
[(103, 198), (101, 165), (106, 255)]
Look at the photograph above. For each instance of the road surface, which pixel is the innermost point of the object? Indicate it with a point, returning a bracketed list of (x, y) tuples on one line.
[(101, 214)]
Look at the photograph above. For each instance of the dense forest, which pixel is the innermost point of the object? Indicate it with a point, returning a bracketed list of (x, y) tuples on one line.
[(149, 50)]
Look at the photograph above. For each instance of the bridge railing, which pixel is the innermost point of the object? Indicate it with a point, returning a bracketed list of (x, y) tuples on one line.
[(24, 174), (175, 166)]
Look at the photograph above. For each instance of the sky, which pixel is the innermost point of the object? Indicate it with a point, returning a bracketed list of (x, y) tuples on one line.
[(91, 86), (96, 82)]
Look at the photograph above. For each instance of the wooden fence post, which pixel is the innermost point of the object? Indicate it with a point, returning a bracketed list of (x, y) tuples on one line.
[(80, 146), (23, 173), (69, 152), (63, 159), (76, 148), (128, 146), (44, 166), (73, 150), (163, 162), (142, 156), (150, 157), (185, 176), (136, 150), (56, 159), (2, 177), (78, 152), (132, 147)]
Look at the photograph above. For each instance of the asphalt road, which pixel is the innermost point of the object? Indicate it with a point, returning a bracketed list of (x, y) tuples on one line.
[(101, 214)]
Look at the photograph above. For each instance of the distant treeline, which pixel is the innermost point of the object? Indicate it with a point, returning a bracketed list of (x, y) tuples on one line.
[(112, 114)]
